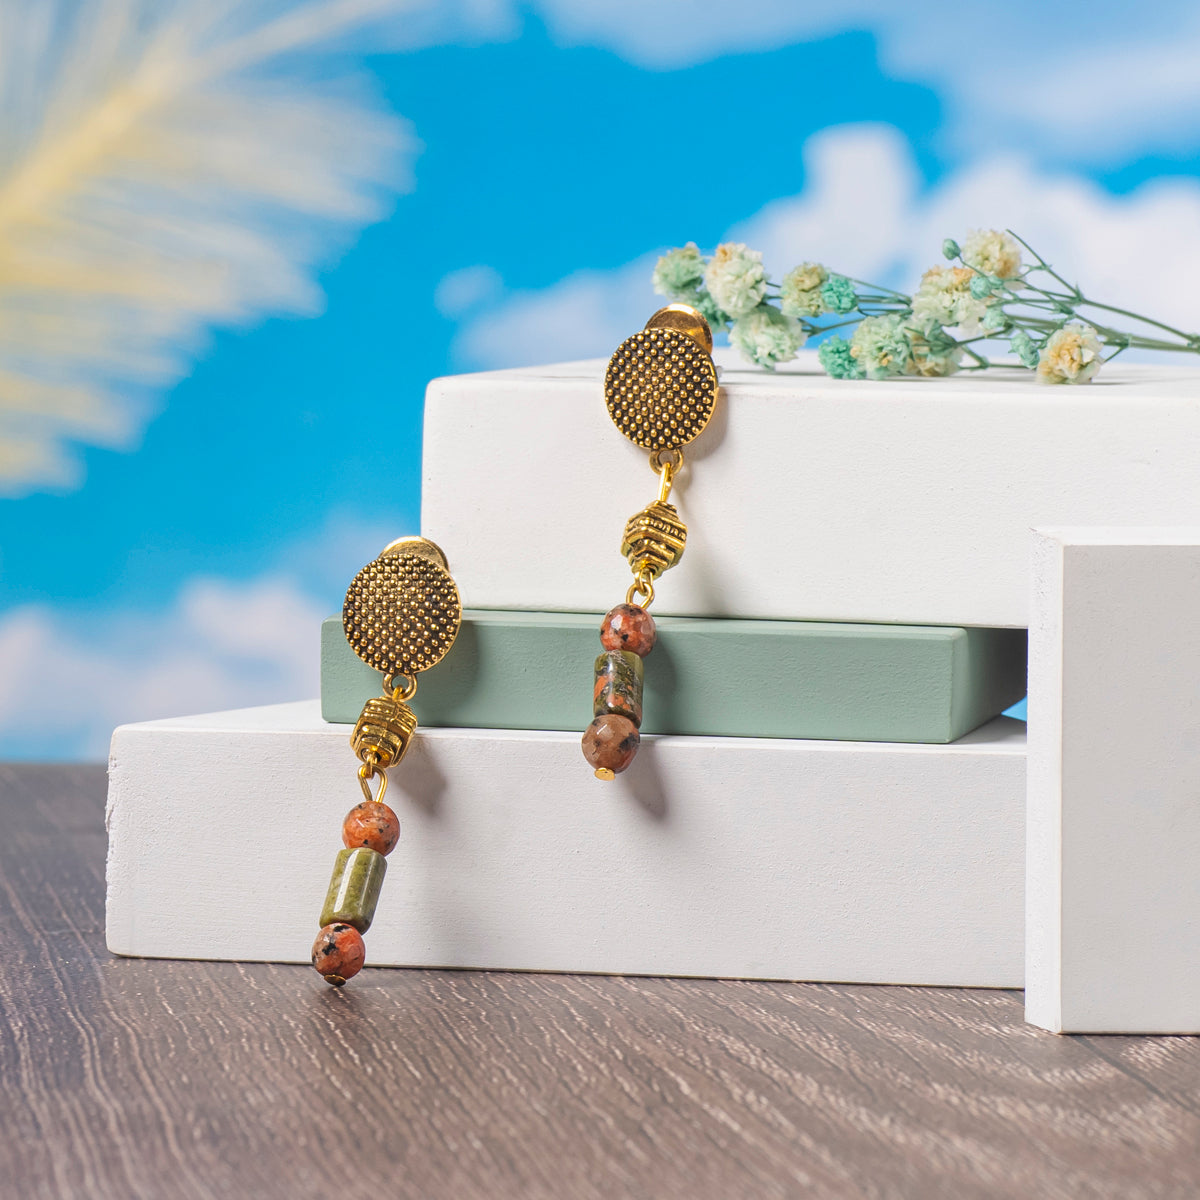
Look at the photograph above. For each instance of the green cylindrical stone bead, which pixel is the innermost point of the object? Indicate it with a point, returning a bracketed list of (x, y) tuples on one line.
[(619, 676), (354, 889)]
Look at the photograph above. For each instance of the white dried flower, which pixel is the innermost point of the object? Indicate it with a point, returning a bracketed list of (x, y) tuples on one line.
[(992, 252), (944, 298), (735, 278), (1071, 355), (800, 292), (767, 336)]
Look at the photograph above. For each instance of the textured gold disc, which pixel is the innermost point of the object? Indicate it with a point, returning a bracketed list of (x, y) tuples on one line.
[(660, 388), (402, 613)]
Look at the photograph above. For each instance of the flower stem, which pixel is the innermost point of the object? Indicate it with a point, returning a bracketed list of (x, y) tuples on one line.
[(1128, 340), (1192, 339), (878, 287), (1044, 265)]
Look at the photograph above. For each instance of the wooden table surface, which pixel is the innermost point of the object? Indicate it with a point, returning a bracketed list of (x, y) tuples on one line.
[(129, 1078)]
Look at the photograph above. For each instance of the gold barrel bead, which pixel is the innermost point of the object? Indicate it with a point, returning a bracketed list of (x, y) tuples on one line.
[(654, 539), (384, 730)]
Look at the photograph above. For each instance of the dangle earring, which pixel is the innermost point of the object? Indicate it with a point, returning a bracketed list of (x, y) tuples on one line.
[(401, 616), (661, 390)]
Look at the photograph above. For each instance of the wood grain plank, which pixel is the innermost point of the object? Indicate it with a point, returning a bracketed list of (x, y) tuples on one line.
[(131, 1079)]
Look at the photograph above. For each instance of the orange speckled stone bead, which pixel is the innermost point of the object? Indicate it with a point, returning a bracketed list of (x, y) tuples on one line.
[(609, 744), (628, 627), (373, 825), (339, 953)]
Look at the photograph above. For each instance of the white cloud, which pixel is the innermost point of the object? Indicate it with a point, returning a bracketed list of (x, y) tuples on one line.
[(323, 563), (424, 23), (855, 211), (1140, 251), (670, 34), (462, 290), (1077, 78), (67, 677), (864, 212), (66, 681), (576, 318), (1116, 95), (268, 620)]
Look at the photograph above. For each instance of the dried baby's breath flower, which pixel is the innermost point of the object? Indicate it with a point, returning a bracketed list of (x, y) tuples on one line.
[(933, 352), (1024, 347), (1071, 354), (995, 286), (944, 298), (735, 279), (881, 347), (679, 272), (837, 357), (800, 292), (992, 252), (838, 295), (767, 336)]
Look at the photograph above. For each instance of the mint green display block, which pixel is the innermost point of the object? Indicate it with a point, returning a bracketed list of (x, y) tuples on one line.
[(730, 678)]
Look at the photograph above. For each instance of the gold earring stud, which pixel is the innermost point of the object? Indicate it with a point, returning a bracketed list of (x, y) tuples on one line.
[(661, 391), (401, 615)]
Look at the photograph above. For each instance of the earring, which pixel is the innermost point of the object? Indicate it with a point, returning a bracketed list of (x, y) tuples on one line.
[(661, 390), (401, 616)]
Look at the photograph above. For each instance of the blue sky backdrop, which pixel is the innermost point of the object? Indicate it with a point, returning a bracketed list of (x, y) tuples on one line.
[(562, 146)]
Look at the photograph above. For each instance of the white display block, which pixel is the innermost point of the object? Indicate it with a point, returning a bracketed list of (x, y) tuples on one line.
[(1113, 887), (807, 498), (728, 857)]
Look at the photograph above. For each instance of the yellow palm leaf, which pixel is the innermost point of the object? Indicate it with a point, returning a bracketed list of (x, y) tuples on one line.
[(166, 166)]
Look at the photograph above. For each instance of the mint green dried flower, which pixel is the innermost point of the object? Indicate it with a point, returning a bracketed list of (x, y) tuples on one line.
[(881, 347), (838, 295), (1023, 346), (996, 321), (835, 356), (707, 307), (800, 292), (679, 272), (718, 320), (700, 300), (983, 286), (950, 249), (767, 336)]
